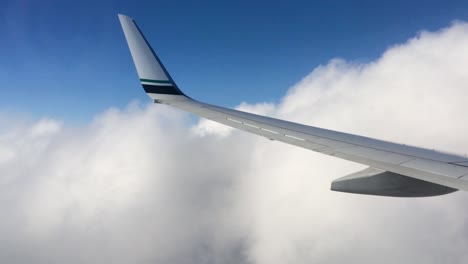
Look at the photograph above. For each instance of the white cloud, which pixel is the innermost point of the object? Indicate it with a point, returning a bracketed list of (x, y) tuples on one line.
[(138, 186)]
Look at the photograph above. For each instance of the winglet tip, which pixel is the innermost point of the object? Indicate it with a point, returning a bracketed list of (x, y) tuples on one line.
[(122, 16)]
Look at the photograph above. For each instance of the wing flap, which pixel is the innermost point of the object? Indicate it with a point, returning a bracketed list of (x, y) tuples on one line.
[(440, 168)]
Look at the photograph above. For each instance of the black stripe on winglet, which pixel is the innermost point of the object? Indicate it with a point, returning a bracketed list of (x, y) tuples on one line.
[(160, 89)]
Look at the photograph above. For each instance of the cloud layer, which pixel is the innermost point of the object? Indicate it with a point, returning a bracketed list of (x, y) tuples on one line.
[(139, 185)]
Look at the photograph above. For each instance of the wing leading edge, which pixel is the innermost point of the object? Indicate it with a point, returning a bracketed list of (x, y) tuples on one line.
[(395, 169)]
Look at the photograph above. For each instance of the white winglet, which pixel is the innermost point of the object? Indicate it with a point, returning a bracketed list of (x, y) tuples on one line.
[(153, 76)]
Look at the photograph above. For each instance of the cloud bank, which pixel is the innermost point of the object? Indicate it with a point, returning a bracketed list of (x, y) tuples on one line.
[(139, 185)]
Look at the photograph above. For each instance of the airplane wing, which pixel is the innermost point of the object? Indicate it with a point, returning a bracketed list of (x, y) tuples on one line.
[(394, 169)]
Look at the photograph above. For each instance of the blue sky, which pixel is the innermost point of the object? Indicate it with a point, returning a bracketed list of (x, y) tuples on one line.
[(69, 59)]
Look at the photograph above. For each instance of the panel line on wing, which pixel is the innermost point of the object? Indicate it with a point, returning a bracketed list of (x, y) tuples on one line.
[(293, 137), (233, 120), (249, 125), (268, 130)]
